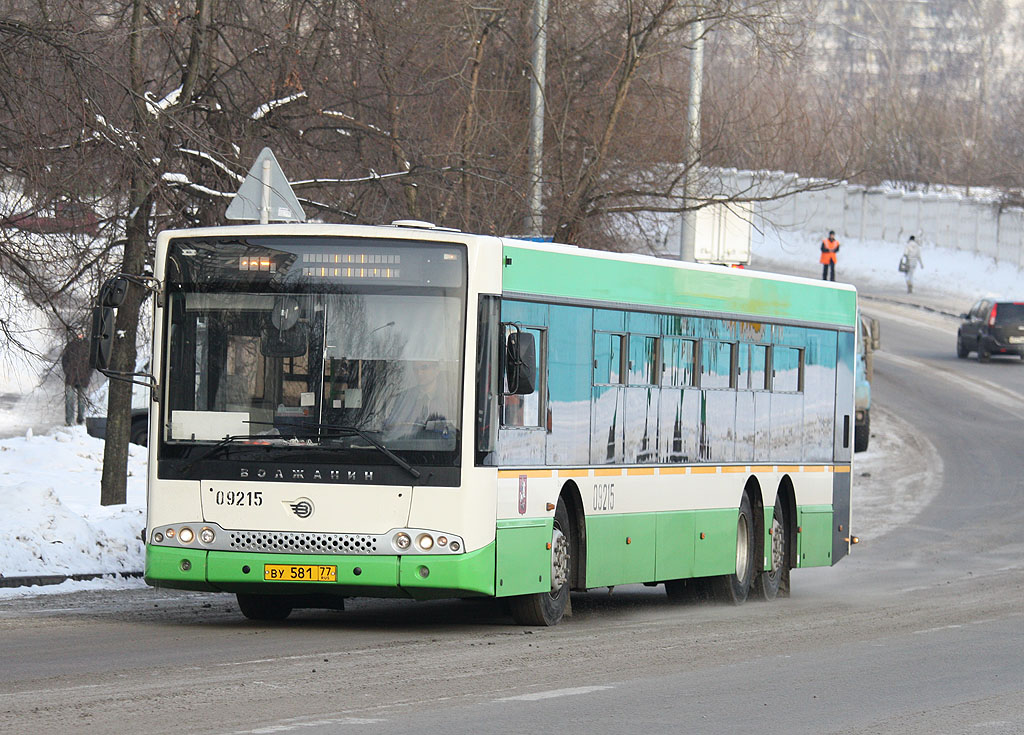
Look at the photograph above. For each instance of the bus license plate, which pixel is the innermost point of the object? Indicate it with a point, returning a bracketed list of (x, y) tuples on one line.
[(300, 573)]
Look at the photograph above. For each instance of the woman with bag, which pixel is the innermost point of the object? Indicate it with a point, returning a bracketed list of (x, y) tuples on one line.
[(911, 259)]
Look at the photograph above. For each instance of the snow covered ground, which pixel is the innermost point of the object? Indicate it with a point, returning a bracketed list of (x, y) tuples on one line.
[(51, 522)]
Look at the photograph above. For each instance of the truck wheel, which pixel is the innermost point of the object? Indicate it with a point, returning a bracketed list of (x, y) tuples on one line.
[(862, 434)]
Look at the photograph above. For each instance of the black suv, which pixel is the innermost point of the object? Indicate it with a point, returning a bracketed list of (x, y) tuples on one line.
[(992, 328)]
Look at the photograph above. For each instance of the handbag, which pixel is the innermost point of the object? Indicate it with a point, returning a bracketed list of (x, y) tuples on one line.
[(904, 264)]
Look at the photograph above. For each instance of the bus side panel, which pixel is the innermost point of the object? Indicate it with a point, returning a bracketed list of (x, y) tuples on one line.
[(814, 539), (523, 560), (714, 542), (674, 556), (620, 549)]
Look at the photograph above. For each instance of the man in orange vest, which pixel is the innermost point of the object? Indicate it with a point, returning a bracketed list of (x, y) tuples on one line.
[(829, 248)]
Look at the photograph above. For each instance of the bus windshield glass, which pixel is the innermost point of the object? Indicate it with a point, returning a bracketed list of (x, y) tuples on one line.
[(297, 344)]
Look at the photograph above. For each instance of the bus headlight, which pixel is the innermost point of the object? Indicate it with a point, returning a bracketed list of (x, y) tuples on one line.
[(425, 541), (186, 535), (402, 541), (206, 535)]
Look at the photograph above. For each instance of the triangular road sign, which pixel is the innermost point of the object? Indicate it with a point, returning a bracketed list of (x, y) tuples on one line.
[(266, 195)]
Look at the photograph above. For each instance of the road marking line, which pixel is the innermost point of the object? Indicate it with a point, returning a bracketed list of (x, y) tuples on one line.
[(311, 723), (552, 694)]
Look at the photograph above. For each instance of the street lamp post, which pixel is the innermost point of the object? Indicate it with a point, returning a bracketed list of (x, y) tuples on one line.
[(688, 221)]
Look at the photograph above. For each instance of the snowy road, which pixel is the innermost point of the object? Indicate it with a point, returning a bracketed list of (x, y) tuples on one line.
[(911, 634)]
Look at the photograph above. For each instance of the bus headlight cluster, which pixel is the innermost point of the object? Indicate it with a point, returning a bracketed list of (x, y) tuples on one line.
[(185, 535), (424, 542)]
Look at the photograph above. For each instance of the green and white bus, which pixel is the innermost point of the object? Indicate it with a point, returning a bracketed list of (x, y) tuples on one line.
[(410, 411)]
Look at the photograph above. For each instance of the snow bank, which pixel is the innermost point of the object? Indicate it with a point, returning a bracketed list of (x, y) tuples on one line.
[(51, 521)]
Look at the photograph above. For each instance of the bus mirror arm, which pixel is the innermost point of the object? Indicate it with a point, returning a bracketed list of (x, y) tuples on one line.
[(112, 294)]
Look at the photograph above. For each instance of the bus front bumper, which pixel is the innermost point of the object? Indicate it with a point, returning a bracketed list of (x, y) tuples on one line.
[(419, 577)]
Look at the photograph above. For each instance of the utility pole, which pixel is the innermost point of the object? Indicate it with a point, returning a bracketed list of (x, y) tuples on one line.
[(534, 224), (688, 221)]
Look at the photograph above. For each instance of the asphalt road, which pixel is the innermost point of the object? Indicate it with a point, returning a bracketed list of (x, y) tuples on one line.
[(919, 631)]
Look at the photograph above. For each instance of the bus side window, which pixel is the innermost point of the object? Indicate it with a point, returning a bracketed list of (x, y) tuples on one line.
[(677, 362), (787, 369)]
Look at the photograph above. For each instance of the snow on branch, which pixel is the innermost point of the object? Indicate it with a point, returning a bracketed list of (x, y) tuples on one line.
[(356, 123), (207, 157), (182, 181), (156, 107), (266, 107)]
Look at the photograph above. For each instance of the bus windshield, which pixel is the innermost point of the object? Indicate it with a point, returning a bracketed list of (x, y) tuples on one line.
[(315, 343)]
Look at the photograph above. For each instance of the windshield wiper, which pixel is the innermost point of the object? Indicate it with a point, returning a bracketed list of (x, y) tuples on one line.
[(245, 438), (349, 431)]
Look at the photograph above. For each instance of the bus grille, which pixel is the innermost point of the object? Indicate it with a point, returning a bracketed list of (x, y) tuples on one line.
[(306, 543)]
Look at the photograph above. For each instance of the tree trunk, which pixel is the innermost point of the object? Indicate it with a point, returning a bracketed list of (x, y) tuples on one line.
[(114, 484)]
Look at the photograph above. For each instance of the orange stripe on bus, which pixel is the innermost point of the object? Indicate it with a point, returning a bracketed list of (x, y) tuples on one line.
[(841, 468), (704, 470), (787, 468), (640, 471), (608, 473), (734, 469), (574, 473), (674, 470), (527, 473)]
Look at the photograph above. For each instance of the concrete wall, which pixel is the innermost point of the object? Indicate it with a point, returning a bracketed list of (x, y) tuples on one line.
[(948, 220)]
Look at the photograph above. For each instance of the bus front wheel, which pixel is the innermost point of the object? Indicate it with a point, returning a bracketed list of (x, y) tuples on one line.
[(734, 588), (264, 607), (547, 608)]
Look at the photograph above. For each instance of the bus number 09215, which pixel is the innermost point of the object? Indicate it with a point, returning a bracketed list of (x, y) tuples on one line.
[(238, 497), (604, 496)]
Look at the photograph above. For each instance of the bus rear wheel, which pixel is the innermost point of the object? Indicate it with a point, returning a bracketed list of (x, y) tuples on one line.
[(767, 584), (734, 588), (264, 607), (547, 608)]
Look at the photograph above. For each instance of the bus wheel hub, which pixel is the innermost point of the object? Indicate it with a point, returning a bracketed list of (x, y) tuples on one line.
[(559, 560)]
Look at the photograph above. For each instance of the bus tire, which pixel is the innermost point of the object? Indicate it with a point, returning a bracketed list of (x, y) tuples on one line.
[(264, 607), (694, 589), (768, 583), (734, 588), (547, 608)]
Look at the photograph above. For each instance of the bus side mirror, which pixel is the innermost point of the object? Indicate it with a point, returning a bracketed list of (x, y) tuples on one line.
[(102, 337), (876, 335), (520, 363), (113, 292), (291, 342)]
